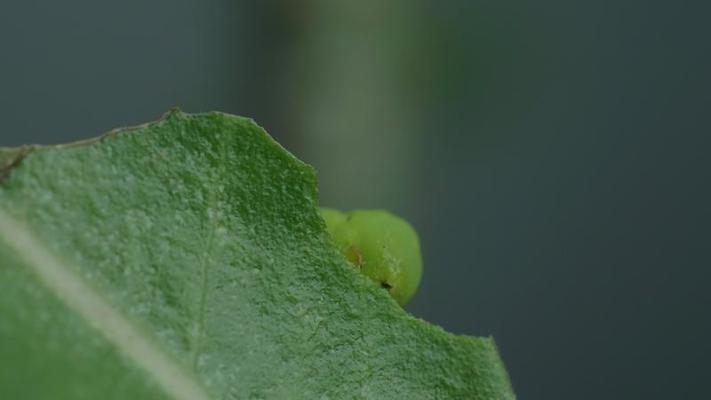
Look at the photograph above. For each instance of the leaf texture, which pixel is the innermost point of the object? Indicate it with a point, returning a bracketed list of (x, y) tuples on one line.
[(186, 259)]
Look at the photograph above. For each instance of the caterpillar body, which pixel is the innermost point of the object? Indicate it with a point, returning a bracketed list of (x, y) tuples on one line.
[(382, 246)]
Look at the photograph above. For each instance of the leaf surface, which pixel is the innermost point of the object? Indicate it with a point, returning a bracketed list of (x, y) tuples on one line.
[(186, 259)]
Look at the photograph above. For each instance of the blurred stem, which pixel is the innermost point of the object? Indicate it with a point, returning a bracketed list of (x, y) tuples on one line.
[(361, 130)]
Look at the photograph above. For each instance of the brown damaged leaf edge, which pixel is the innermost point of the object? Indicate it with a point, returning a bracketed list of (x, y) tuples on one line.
[(11, 157)]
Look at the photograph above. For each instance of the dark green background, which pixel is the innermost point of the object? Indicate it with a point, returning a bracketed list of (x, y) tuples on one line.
[(553, 155)]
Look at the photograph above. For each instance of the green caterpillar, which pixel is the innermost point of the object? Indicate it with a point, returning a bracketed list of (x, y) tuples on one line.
[(382, 246)]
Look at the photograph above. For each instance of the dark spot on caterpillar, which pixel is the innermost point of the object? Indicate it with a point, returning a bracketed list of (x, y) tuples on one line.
[(385, 285)]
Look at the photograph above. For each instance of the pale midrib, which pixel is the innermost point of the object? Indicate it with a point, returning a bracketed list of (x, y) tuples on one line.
[(205, 265), (206, 260), (83, 299)]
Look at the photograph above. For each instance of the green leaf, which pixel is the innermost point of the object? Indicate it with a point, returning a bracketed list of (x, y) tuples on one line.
[(186, 259)]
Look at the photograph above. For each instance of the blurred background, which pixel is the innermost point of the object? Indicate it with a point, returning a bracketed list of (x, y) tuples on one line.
[(553, 155)]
